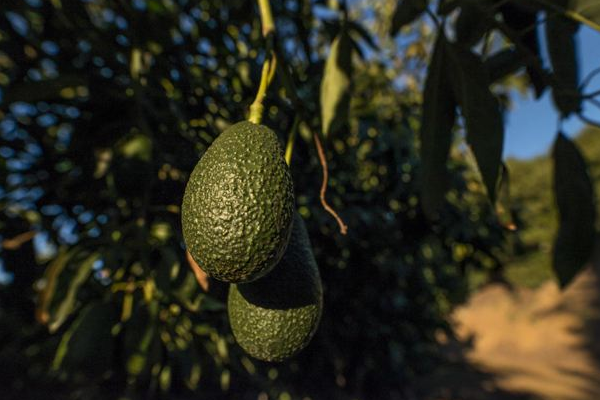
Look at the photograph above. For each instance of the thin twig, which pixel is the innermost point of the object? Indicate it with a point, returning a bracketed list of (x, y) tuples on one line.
[(591, 95), (588, 121), (570, 13), (588, 79), (327, 207), (595, 103), (292, 93)]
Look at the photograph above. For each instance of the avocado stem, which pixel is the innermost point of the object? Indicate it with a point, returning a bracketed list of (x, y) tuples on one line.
[(268, 72), (270, 63)]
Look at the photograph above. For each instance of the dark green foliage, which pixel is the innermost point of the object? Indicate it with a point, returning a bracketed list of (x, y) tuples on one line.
[(481, 111), (503, 63), (576, 206), (275, 317), (81, 79), (437, 122), (88, 344), (238, 205), (132, 166)]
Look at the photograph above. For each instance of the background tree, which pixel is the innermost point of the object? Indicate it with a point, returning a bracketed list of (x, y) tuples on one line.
[(106, 107)]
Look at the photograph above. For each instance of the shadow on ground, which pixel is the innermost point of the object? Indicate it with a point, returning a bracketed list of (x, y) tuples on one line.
[(521, 343), (461, 379)]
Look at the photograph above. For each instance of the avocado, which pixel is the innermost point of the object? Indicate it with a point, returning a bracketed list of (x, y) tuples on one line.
[(238, 205), (275, 317)]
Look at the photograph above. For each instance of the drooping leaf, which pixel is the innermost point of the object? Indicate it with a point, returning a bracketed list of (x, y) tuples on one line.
[(575, 200), (406, 12), (88, 344), (522, 19), (336, 86), (482, 114), (51, 275), (437, 121), (562, 49), (67, 304)]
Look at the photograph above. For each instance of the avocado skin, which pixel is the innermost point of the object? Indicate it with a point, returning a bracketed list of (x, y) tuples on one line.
[(275, 317), (238, 205)]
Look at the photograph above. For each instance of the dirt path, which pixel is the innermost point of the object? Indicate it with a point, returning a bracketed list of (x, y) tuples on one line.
[(526, 344)]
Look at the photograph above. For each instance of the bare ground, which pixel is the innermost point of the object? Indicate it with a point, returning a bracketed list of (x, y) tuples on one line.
[(524, 344)]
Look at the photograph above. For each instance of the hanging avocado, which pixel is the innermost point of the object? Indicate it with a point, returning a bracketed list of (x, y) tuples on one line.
[(276, 316), (238, 205)]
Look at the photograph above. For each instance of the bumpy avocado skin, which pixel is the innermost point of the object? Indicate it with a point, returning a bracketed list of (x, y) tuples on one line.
[(275, 317), (238, 205)]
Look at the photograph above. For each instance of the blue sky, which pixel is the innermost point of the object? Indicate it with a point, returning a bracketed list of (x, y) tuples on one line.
[(531, 125)]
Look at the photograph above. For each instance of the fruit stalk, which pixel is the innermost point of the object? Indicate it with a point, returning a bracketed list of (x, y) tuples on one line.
[(270, 63)]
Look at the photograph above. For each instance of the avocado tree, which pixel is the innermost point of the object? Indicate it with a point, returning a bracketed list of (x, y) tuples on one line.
[(108, 105)]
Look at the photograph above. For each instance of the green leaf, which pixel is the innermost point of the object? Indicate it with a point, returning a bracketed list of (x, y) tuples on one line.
[(336, 86), (437, 121), (51, 275), (88, 344), (67, 305), (481, 111), (406, 12), (562, 49), (575, 200)]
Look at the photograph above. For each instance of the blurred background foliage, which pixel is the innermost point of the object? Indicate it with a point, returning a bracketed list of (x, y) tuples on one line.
[(528, 262), (107, 105)]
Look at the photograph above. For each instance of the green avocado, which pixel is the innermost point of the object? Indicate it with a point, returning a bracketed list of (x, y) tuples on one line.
[(275, 317), (238, 205)]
